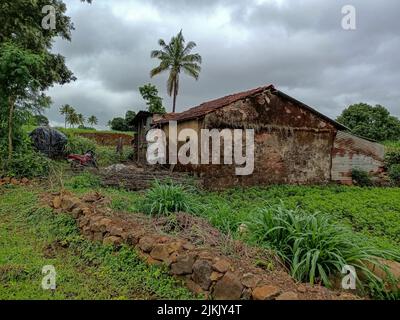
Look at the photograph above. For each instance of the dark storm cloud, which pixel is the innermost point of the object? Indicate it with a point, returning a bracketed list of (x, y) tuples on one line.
[(297, 45)]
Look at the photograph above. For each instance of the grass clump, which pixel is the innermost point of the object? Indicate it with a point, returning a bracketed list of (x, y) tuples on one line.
[(166, 198), (313, 247)]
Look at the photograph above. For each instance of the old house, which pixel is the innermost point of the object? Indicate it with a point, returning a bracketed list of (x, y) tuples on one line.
[(294, 143)]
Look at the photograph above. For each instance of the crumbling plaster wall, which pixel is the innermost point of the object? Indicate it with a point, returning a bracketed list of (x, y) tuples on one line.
[(292, 145)]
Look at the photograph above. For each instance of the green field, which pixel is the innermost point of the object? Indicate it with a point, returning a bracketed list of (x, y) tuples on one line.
[(370, 212)]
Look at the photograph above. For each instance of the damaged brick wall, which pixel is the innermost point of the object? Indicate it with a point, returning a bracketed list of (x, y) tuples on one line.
[(292, 145), (351, 152)]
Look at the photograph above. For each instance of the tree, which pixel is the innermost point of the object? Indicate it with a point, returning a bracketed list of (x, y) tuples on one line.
[(28, 65), (373, 122), (175, 57), (19, 73), (66, 110), (118, 124), (149, 93), (92, 120), (129, 117), (73, 119), (80, 119), (41, 120)]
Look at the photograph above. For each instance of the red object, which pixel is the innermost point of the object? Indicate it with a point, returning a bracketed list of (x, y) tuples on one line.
[(83, 160)]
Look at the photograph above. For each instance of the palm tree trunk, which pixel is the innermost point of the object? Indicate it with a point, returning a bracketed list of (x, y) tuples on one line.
[(11, 102), (175, 94)]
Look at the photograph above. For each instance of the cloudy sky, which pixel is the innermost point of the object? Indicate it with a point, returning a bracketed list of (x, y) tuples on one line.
[(297, 45)]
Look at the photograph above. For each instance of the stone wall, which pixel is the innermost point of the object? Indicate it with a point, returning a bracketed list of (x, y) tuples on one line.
[(204, 270)]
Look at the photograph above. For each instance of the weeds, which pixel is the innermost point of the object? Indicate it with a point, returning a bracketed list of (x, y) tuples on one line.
[(167, 198), (313, 247), (84, 180)]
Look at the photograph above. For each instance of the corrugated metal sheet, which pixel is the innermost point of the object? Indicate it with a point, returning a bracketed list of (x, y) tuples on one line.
[(351, 152)]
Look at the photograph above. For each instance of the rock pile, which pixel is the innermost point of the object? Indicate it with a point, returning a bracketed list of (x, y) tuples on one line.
[(203, 271), (14, 181)]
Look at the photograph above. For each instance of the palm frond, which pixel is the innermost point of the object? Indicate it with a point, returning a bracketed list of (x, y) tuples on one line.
[(192, 70), (160, 69), (192, 58), (189, 47)]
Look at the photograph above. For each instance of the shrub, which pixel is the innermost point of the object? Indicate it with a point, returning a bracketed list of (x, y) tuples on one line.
[(311, 245), (79, 145), (394, 174), (392, 157), (166, 198), (361, 178), (25, 162)]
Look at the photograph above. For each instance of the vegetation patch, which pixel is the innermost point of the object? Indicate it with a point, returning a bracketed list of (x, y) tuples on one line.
[(313, 247), (85, 270), (166, 198)]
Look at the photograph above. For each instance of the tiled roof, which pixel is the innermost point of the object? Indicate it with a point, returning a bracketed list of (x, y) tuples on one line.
[(211, 106)]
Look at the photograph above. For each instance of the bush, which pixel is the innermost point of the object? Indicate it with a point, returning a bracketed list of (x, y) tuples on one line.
[(25, 162), (394, 174), (361, 178), (311, 245), (79, 145), (392, 157), (167, 198)]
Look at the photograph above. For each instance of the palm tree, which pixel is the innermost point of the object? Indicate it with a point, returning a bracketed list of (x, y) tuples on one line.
[(66, 110), (73, 119), (80, 119), (92, 120), (176, 56)]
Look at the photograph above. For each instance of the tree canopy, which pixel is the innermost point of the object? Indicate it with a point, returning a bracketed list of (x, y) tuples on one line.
[(373, 122), (174, 58), (28, 66), (149, 93), (118, 124)]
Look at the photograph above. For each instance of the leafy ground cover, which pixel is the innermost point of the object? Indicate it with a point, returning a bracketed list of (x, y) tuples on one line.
[(31, 237)]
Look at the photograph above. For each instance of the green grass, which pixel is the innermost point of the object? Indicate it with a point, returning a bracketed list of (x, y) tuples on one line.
[(163, 199), (77, 131), (392, 144), (374, 212), (339, 223), (314, 247), (370, 216), (32, 237), (30, 128)]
